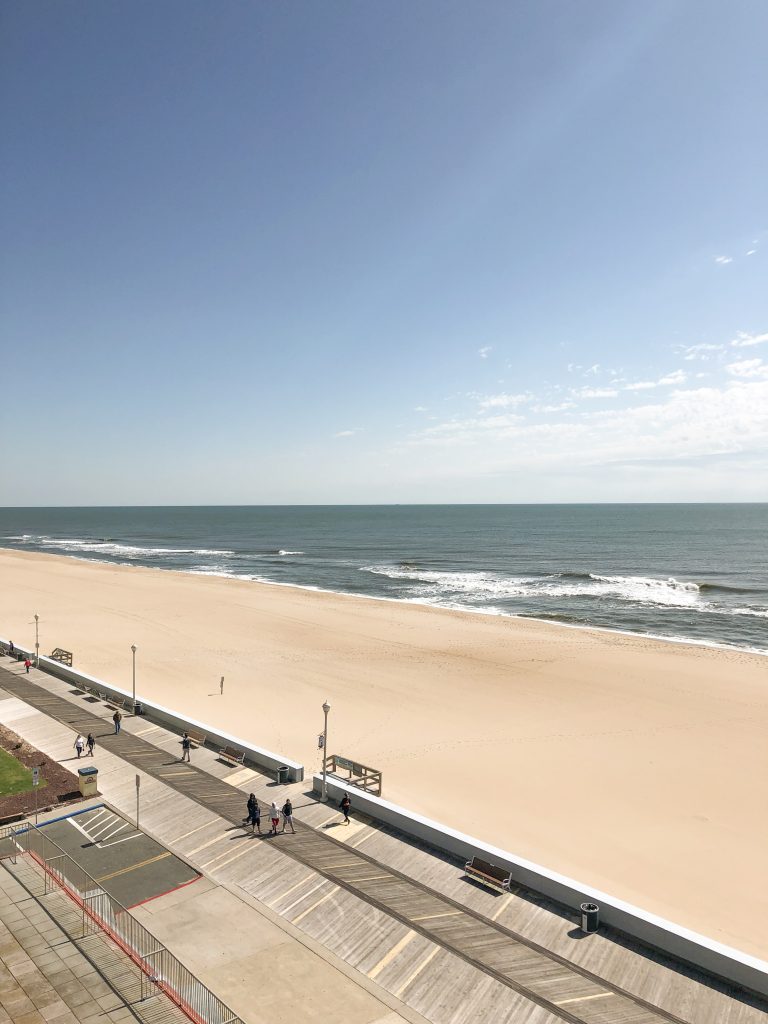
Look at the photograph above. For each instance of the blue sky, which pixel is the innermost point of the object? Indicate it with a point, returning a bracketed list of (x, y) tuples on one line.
[(339, 252)]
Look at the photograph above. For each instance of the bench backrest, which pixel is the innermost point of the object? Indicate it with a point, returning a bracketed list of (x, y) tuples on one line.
[(501, 874), (235, 754)]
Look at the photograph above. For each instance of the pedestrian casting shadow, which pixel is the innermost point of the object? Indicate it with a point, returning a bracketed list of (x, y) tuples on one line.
[(332, 824)]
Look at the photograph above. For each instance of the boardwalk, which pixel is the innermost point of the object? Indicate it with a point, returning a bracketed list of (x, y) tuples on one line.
[(568, 992)]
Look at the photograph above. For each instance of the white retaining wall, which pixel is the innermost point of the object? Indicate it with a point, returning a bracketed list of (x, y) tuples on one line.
[(157, 713), (724, 961)]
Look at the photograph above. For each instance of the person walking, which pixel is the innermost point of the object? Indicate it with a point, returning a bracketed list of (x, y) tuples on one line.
[(288, 815), (90, 743), (254, 813), (79, 744), (274, 817), (117, 719), (11, 649), (345, 803), (27, 665), (186, 746)]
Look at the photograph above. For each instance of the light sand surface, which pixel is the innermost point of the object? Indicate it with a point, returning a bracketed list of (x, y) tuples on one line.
[(631, 764)]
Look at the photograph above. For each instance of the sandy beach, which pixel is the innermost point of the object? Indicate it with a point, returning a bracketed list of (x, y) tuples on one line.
[(635, 765)]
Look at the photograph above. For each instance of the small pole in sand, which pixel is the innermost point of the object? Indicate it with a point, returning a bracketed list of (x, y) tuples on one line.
[(133, 652), (326, 709), (37, 641), (221, 686)]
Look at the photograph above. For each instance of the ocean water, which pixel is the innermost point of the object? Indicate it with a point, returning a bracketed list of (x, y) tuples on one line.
[(685, 572)]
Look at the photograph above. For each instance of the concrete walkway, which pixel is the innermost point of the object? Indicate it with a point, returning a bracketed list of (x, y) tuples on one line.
[(406, 956)]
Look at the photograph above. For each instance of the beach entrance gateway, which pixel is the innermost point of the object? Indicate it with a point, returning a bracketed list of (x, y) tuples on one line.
[(359, 775)]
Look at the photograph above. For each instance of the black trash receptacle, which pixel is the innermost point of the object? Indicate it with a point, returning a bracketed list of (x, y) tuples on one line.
[(137, 708), (282, 773), (19, 656), (590, 917)]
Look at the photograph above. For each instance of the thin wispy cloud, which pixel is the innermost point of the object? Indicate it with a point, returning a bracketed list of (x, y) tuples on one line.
[(748, 368), (594, 392), (722, 260), (743, 340), (703, 351), (484, 351), (503, 401), (345, 433)]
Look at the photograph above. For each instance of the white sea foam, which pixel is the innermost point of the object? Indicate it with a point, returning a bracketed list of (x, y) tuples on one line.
[(444, 587), (284, 551), (112, 548)]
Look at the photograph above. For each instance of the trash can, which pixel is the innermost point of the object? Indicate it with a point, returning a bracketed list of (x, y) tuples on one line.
[(282, 774), (138, 708), (87, 778), (590, 917), (19, 656)]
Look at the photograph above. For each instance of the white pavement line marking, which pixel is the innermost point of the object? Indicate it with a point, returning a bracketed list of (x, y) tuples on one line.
[(239, 776), (581, 999), (79, 827), (414, 975), (390, 956), (219, 856), (125, 839), (114, 832), (431, 917), (209, 843), (198, 829), (298, 901), (366, 878), (315, 905), (99, 814), (104, 826), (150, 728), (502, 907)]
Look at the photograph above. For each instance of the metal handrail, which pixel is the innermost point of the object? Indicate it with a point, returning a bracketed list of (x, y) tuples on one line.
[(154, 960)]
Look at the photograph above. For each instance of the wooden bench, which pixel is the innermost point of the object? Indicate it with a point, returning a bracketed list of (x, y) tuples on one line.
[(198, 738), (232, 755), (65, 657), (488, 874), (116, 702)]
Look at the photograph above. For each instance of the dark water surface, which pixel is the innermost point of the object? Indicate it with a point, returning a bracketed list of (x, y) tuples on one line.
[(697, 572)]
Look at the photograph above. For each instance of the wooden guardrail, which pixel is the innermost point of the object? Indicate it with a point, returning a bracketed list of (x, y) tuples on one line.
[(359, 775)]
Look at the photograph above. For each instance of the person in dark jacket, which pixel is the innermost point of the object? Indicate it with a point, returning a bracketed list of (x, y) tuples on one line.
[(287, 813), (90, 742), (345, 803), (254, 813)]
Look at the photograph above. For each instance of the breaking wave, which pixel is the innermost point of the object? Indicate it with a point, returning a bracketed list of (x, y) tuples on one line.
[(476, 587), (105, 546)]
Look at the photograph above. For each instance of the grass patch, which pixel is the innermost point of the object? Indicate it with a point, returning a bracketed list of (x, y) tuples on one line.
[(14, 777)]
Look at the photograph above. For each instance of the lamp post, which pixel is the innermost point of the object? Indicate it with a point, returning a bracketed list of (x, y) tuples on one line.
[(37, 641), (133, 652), (326, 709)]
